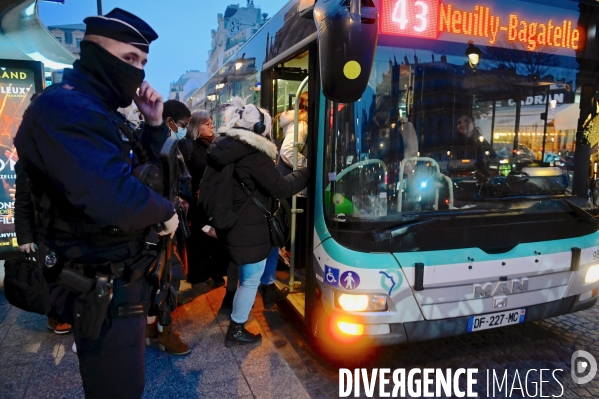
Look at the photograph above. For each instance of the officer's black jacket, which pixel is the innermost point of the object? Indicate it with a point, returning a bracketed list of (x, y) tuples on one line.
[(69, 140), (24, 211)]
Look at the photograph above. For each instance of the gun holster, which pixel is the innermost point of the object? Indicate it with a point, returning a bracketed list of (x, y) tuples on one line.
[(91, 308), (75, 281)]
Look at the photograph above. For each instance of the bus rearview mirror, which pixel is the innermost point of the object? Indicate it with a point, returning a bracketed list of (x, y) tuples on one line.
[(347, 37)]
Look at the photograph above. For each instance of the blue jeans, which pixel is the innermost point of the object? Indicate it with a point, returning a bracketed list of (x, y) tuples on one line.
[(249, 280), (270, 270)]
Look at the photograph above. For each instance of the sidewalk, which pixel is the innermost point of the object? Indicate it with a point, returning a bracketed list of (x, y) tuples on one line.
[(36, 363)]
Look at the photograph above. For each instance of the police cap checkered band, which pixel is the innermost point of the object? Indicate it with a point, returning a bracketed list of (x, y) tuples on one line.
[(122, 26)]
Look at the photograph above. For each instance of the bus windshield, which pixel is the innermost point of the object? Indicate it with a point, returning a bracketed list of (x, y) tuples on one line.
[(434, 135)]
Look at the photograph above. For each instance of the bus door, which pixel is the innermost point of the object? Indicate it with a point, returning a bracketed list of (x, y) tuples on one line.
[(286, 78)]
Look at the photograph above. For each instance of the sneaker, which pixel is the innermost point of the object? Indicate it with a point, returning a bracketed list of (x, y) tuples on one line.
[(57, 326)]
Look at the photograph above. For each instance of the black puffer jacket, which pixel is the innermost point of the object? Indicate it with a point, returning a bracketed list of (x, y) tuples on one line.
[(194, 152), (248, 241)]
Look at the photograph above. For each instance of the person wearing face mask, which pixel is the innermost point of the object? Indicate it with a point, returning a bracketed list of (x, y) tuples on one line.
[(92, 214), (176, 116), (207, 258), (160, 327)]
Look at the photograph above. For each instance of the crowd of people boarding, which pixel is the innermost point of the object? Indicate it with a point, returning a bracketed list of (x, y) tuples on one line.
[(203, 256)]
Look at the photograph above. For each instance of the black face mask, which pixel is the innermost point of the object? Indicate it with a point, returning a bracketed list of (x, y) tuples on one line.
[(122, 79)]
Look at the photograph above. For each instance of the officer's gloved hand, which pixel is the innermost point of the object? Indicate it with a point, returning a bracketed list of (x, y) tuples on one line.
[(170, 226)]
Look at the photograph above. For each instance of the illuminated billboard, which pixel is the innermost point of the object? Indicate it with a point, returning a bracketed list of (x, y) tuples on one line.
[(532, 26), (19, 80)]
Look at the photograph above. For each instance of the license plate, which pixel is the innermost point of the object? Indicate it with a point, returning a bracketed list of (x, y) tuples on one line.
[(478, 323)]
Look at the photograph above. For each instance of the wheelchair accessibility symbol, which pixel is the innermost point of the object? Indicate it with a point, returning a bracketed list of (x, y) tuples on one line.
[(331, 276)]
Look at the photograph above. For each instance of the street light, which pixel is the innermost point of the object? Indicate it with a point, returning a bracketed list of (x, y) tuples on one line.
[(473, 54), (221, 84), (211, 100), (99, 7), (239, 62)]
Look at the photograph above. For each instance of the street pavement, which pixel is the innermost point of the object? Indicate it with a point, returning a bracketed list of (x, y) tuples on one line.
[(548, 344), (36, 363)]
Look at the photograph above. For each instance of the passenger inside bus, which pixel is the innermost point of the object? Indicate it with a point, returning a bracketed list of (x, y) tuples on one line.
[(286, 121), (378, 146), (473, 144)]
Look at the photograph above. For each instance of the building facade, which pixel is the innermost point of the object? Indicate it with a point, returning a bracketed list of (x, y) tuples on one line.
[(235, 27), (188, 83), (69, 36)]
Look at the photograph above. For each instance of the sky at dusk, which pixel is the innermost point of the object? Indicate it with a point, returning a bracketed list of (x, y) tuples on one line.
[(183, 27)]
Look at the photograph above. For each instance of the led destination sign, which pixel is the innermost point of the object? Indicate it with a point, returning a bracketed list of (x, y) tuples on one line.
[(431, 18)]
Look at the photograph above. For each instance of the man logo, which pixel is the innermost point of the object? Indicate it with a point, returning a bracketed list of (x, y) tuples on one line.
[(501, 288)]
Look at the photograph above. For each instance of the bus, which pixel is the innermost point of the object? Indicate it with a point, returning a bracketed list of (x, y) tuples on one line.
[(452, 146)]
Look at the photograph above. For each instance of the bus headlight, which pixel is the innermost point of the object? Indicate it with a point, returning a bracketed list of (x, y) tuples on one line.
[(350, 328), (592, 274), (361, 303)]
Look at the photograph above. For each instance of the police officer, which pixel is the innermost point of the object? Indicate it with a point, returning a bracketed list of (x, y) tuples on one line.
[(92, 214)]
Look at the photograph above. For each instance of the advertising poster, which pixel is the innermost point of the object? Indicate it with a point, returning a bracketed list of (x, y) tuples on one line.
[(19, 81)]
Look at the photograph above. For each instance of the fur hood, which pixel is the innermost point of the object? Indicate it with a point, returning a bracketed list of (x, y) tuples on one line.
[(252, 139)]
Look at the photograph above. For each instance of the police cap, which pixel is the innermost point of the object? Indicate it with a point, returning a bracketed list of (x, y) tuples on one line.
[(122, 26)]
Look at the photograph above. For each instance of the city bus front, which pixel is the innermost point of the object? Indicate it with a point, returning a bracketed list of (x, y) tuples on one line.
[(448, 196)]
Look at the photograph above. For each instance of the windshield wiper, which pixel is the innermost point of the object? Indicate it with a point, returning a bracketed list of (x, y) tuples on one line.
[(381, 235), (584, 215), (387, 234)]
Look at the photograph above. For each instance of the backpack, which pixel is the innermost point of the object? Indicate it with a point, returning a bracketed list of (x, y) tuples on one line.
[(186, 148), (216, 196)]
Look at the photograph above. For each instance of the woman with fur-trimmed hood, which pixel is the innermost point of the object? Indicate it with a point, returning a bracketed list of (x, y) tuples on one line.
[(242, 141)]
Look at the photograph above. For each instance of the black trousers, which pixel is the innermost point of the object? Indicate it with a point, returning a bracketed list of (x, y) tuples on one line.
[(113, 366), (207, 258)]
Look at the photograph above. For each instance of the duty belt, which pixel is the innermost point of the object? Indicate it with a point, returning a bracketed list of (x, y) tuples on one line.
[(118, 269), (128, 310)]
